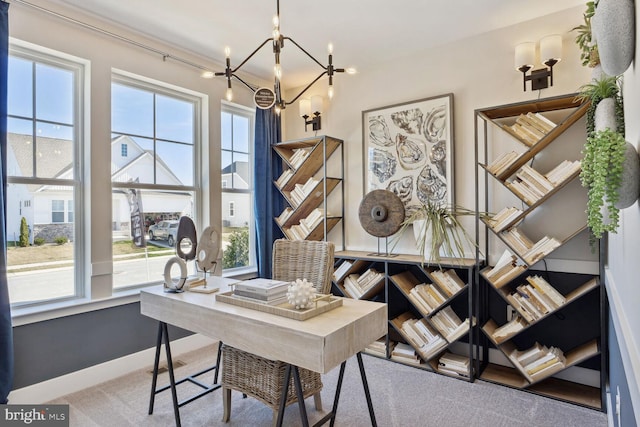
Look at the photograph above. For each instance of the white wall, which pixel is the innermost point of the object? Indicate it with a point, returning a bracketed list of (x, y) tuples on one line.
[(622, 259), (478, 71)]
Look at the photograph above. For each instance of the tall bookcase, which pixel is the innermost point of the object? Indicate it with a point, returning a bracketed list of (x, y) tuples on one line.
[(557, 317), (311, 186), (399, 276)]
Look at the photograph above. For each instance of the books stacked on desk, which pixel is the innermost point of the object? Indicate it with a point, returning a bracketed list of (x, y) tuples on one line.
[(264, 291)]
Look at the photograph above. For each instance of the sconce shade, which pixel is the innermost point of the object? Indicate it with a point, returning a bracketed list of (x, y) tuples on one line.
[(551, 48), (305, 107), (316, 104), (525, 55)]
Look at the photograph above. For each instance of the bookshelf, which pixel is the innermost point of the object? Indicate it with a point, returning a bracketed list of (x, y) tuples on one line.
[(430, 307), (307, 186), (541, 321)]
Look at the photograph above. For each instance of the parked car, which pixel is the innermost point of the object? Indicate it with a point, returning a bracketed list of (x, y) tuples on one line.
[(164, 230)]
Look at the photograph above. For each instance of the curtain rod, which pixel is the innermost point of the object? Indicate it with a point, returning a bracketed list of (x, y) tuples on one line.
[(164, 55)]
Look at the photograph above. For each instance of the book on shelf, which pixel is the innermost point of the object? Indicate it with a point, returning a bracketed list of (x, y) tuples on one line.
[(347, 266), (379, 347), (523, 192), (502, 163), (563, 171), (299, 156), (501, 219), (507, 268), (534, 179), (517, 240), (427, 341), (543, 122), (518, 131), (531, 125), (516, 324), (284, 177), (284, 216), (297, 232), (313, 219), (405, 353), (540, 249), (545, 289), (448, 281), (540, 360), (453, 364), (419, 301)]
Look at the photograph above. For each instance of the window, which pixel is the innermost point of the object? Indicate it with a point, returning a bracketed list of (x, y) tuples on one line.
[(238, 238), (159, 181), (57, 211), (45, 171)]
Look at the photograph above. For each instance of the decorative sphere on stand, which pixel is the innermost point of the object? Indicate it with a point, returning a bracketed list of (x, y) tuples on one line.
[(301, 294)]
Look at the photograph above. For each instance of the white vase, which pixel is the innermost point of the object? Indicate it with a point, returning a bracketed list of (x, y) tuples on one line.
[(630, 181)]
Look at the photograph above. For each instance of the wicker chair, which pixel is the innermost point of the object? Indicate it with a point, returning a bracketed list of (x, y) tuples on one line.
[(262, 378)]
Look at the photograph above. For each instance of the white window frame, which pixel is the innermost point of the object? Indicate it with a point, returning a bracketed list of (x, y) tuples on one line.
[(58, 211), (199, 101), (229, 107), (82, 156)]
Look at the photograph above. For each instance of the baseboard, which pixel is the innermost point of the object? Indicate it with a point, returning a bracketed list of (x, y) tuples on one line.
[(628, 348), (70, 383)]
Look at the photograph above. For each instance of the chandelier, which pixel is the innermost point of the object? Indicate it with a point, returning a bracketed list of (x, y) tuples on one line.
[(266, 98)]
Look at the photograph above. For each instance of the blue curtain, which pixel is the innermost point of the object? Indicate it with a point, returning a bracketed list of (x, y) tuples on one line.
[(6, 333), (267, 203)]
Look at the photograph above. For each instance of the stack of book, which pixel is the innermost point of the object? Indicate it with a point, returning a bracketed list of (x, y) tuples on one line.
[(426, 297), (531, 127), (454, 364), (298, 157), (540, 361), (529, 251), (530, 185), (358, 285), (509, 329), (506, 269), (448, 281), (535, 299), (405, 353), (423, 338), (301, 191), (284, 177), (563, 171), (264, 291), (307, 225), (378, 347), (502, 163), (284, 216), (503, 218), (449, 324), (345, 267)]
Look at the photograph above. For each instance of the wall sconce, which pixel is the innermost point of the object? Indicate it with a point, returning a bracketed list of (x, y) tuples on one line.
[(550, 53), (309, 107)]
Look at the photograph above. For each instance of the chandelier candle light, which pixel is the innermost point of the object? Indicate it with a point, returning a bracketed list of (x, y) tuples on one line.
[(266, 98)]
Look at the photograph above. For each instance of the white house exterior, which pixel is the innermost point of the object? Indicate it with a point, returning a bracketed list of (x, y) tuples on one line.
[(49, 210), (236, 206)]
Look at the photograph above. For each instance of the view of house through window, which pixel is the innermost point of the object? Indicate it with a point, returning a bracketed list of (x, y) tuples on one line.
[(44, 149), (238, 239), (153, 150)]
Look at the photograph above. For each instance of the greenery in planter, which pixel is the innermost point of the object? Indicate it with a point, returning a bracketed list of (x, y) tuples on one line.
[(584, 40), (596, 91), (444, 228), (602, 175)]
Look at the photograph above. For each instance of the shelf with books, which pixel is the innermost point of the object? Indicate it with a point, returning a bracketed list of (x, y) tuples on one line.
[(521, 236), (307, 183)]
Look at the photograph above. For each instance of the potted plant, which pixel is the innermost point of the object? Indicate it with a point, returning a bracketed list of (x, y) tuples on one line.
[(438, 231), (589, 55), (607, 157)]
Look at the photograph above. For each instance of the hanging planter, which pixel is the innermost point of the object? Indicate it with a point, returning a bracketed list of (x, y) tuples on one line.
[(613, 29)]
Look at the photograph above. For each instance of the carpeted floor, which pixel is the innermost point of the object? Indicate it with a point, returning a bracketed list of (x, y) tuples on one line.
[(402, 396)]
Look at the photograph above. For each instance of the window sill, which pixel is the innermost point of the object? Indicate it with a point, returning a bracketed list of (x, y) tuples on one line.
[(39, 313)]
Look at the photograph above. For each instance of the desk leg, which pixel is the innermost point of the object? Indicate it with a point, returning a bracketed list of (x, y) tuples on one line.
[(283, 398), (365, 384), (337, 396), (163, 334), (300, 395)]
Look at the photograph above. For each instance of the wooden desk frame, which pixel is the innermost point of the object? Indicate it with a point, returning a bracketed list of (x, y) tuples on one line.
[(327, 332)]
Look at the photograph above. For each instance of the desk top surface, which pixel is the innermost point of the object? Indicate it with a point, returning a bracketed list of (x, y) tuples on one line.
[(319, 343)]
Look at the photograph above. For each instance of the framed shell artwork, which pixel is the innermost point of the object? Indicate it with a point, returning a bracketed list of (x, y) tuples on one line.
[(408, 149)]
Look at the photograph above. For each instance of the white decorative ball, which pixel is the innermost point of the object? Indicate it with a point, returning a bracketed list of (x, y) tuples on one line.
[(300, 294)]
